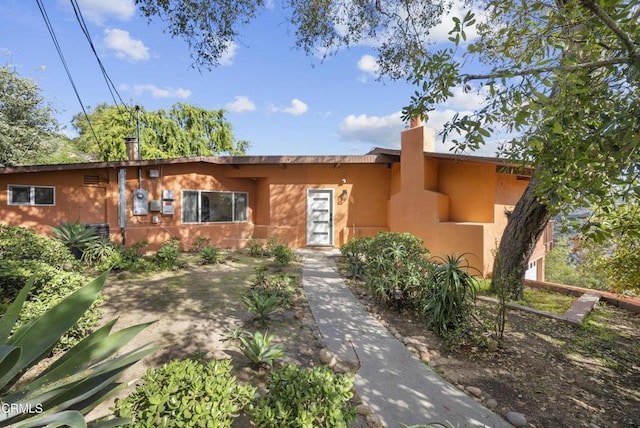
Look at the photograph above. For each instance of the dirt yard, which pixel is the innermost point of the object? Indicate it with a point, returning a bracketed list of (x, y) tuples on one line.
[(554, 374)]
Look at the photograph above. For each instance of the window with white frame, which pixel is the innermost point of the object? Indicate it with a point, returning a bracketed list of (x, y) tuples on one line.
[(31, 195), (203, 206)]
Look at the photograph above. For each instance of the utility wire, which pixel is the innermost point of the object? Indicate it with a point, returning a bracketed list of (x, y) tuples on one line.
[(45, 16), (112, 88)]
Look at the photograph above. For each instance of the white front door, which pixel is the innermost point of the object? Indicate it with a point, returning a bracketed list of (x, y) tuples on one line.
[(320, 217)]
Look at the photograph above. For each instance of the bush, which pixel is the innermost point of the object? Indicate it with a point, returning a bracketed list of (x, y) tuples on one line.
[(61, 392), (210, 255), (50, 286), (256, 248), (186, 393), (167, 255), (258, 349), (262, 303), (390, 263), (18, 243), (200, 243), (283, 255), (98, 251), (449, 302), (305, 398)]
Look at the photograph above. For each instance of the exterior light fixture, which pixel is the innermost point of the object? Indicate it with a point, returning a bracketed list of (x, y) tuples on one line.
[(397, 295)]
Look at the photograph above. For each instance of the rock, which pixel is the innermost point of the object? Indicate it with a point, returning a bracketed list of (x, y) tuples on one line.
[(491, 404), (124, 275), (363, 409), (423, 351), (407, 340), (374, 421), (516, 419), (305, 350), (327, 357), (492, 345), (475, 391), (300, 315), (393, 331)]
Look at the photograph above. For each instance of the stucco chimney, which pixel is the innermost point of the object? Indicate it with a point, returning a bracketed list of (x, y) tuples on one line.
[(414, 142), (132, 147)]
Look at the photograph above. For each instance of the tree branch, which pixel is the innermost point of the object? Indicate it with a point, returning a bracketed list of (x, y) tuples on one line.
[(569, 68), (604, 17)]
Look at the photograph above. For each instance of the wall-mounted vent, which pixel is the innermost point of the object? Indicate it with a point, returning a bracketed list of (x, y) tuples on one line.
[(91, 180)]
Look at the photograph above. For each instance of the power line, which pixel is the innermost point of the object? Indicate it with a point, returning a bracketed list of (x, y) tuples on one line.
[(112, 88), (52, 33)]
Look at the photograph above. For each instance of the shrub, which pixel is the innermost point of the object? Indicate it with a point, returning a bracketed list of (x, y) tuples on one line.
[(75, 236), (167, 255), (262, 303), (390, 263), (200, 243), (50, 286), (256, 248), (18, 243), (283, 255), (258, 349), (210, 255), (270, 246), (305, 398), (140, 247), (186, 393), (448, 303), (67, 389), (98, 251)]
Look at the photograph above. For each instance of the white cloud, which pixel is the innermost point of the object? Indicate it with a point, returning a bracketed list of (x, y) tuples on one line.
[(241, 104), (296, 108), (229, 54), (97, 11), (368, 65), (440, 33), (125, 47), (380, 131), (155, 92), (269, 4)]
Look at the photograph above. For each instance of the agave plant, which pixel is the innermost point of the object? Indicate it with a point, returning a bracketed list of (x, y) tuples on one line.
[(262, 303), (258, 349), (75, 383), (75, 236)]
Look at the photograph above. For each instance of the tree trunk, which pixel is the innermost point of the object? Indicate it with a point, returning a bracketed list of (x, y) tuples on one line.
[(524, 228)]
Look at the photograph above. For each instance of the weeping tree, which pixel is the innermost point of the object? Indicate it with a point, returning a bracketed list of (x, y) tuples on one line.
[(559, 77), (182, 131)]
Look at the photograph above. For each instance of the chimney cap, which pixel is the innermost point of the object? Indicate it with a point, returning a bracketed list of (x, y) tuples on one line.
[(415, 121)]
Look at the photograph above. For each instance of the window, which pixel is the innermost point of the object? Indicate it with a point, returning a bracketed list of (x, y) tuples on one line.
[(200, 206), (31, 195)]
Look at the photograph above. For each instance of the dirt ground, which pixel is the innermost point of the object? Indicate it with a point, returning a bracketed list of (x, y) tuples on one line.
[(193, 308), (555, 374)]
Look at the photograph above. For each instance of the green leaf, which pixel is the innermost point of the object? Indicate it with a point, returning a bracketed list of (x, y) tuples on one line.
[(70, 418), (557, 128), (12, 314)]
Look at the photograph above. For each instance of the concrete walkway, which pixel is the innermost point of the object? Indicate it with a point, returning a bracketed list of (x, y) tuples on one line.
[(392, 381)]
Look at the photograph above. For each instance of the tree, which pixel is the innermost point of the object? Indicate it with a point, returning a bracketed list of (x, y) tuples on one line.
[(559, 76), (26, 121), (181, 131)]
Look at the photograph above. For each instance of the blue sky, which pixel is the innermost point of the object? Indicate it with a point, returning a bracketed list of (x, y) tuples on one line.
[(278, 98)]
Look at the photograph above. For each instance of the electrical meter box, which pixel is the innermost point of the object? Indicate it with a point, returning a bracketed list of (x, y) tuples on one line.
[(155, 205), (140, 202), (168, 202)]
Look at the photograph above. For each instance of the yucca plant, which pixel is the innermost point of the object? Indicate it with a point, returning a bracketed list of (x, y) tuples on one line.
[(75, 236), (75, 383), (448, 302), (258, 349)]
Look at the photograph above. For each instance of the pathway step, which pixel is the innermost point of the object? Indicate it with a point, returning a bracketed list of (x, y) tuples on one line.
[(581, 308)]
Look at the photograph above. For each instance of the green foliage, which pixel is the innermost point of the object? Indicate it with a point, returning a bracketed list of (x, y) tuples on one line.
[(186, 393), (283, 255), (200, 243), (167, 255), (258, 348), (270, 246), (389, 263), (75, 236), (262, 303), (69, 388), (448, 303), (182, 131), (26, 120), (98, 251), (256, 248), (18, 243), (50, 286), (305, 398), (210, 255)]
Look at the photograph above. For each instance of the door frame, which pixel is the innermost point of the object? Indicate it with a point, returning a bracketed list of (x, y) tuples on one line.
[(331, 216)]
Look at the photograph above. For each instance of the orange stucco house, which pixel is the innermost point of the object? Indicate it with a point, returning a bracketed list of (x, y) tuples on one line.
[(454, 203)]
